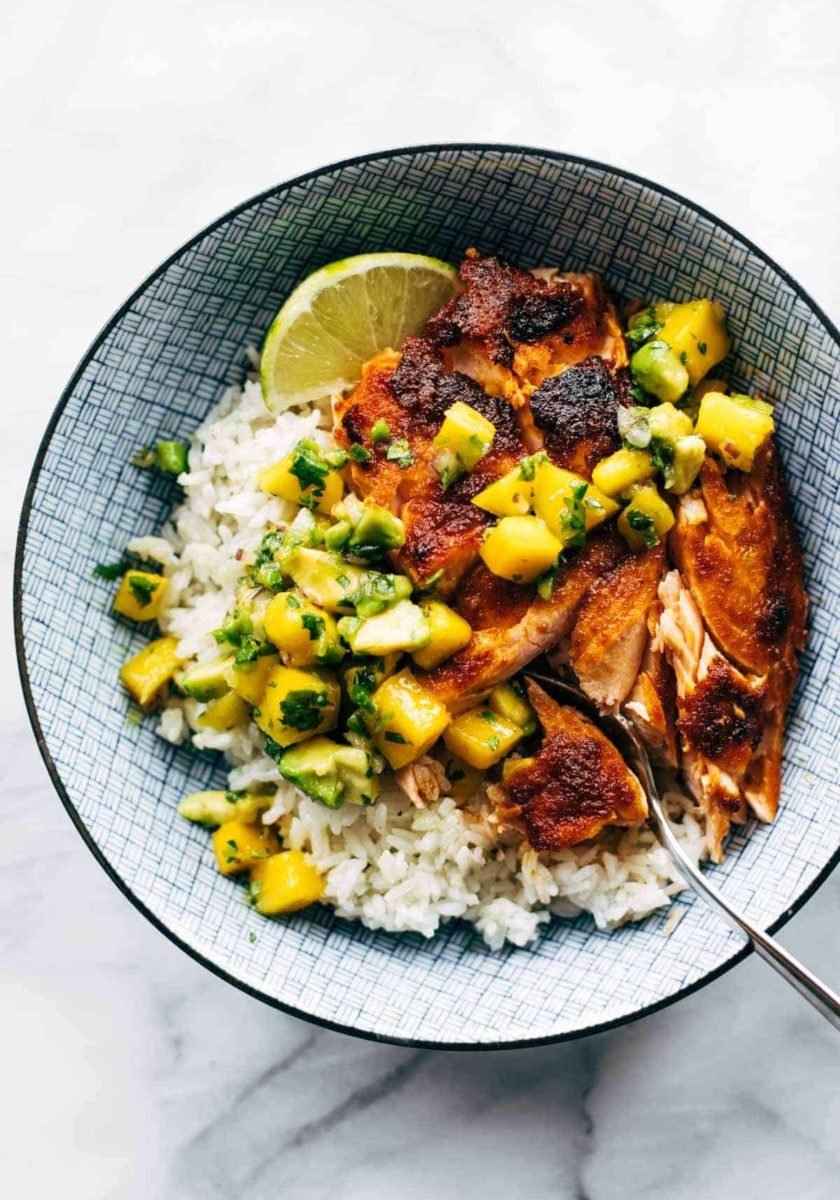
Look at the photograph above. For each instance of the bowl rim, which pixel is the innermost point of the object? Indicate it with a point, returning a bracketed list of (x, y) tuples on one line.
[(20, 649)]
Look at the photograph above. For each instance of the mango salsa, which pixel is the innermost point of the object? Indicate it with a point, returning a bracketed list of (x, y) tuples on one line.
[(303, 632), (618, 472), (481, 737), (568, 504), (449, 633), (409, 720), (510, 496), (520, 548), (223, 714), (507, 701), (284, 883), (304, 477), (735, 427), (147, 672), (696, 332), (248, 680), (646, 519), (297, 704), (140, 595), (462, 441), (239, 844)]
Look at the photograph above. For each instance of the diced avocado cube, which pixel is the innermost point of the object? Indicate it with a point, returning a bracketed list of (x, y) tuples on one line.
[(330, 773), (658, 370), (376, 531), (680, 473), (403, 626), (214, 808), (206, 681), (325, 578)]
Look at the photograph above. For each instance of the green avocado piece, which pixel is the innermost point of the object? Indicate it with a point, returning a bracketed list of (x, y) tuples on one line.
[(325, 578), (206, 681), (376, 531), (403, 626), (658, 370), (329, 772)]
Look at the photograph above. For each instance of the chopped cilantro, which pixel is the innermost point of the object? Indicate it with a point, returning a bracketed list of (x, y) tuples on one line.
[(142, 589), (232, 797), (358, 454), (702, 347), (545, 583), (456, 776), (643, 524), (493, 742), (252, 937), (661, 453), (310, 468), (528, 466), (400, 452), (397, 738), (301, 709), (683, 357), (642, 327), (292, 601), (234, 628), (250, 649), (313, 625), (110, 571)]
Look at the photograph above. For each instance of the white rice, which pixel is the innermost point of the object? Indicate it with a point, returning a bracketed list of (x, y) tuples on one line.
[(392, 866)]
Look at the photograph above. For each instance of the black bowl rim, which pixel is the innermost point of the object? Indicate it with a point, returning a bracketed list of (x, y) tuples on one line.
[(291, 1010)]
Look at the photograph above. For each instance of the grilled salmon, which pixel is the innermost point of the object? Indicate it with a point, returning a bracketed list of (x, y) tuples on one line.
[(576, 784)]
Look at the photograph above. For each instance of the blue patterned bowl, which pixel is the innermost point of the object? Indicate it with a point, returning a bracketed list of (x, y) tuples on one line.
[(157, 367)]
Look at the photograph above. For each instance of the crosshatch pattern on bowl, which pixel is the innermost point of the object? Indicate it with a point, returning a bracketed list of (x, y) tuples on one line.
[(156, 372)]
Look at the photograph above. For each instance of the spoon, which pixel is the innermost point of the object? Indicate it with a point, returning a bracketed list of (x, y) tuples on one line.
[(625, 737)]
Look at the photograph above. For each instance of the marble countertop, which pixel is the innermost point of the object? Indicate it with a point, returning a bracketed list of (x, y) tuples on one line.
[(128, 1070)]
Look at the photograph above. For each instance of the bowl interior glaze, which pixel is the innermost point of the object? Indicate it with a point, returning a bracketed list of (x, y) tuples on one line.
[(165, 358)]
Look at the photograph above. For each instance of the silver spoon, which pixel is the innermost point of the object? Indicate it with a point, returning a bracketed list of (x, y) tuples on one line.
[(625, 737)]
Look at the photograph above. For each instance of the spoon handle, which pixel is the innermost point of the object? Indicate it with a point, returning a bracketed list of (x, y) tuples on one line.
[(824, 1000)]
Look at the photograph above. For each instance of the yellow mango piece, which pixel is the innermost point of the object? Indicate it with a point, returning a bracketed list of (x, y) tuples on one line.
[(409, 719), (696, 332), (147, 672), (284, 883), (520, 548), (464, 780), (297, 704), (303, 632), (223, 714), (646, 519), (278, 480), (248, 680), (735, 427), (238, 845), (449, 633), (509, 703), (561, 498), (510, 496), (618, 472), (465, 434), (140, 595), (481, 737)]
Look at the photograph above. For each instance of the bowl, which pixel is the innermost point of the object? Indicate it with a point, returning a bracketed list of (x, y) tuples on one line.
[(157, 367)]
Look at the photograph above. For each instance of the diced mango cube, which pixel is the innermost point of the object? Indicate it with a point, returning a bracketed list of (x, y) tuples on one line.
[(223, 714), (696, 332), (284, 883), (735, 427), (466, 434), (140, 595), (520, 548), (510, 496), (646, 519), (508, 702), (239, 844), (297, 704), (481, 737), (568, 504), (449, 633), (618, 472), (409, 719), (279, 480), (303, 632), (248, 680), (147, 672)]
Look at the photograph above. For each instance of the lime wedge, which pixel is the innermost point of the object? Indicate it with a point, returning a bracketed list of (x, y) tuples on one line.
[(341, 315)]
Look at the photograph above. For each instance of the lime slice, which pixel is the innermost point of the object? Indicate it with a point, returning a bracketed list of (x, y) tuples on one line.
[(341, 315)]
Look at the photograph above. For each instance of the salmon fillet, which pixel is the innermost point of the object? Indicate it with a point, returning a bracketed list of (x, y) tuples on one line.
[(575, 785)]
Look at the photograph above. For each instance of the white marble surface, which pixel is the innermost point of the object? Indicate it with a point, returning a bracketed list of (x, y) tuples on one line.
[(127, 1070)]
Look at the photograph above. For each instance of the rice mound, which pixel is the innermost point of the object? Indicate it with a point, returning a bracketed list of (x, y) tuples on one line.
[(391, 865)]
